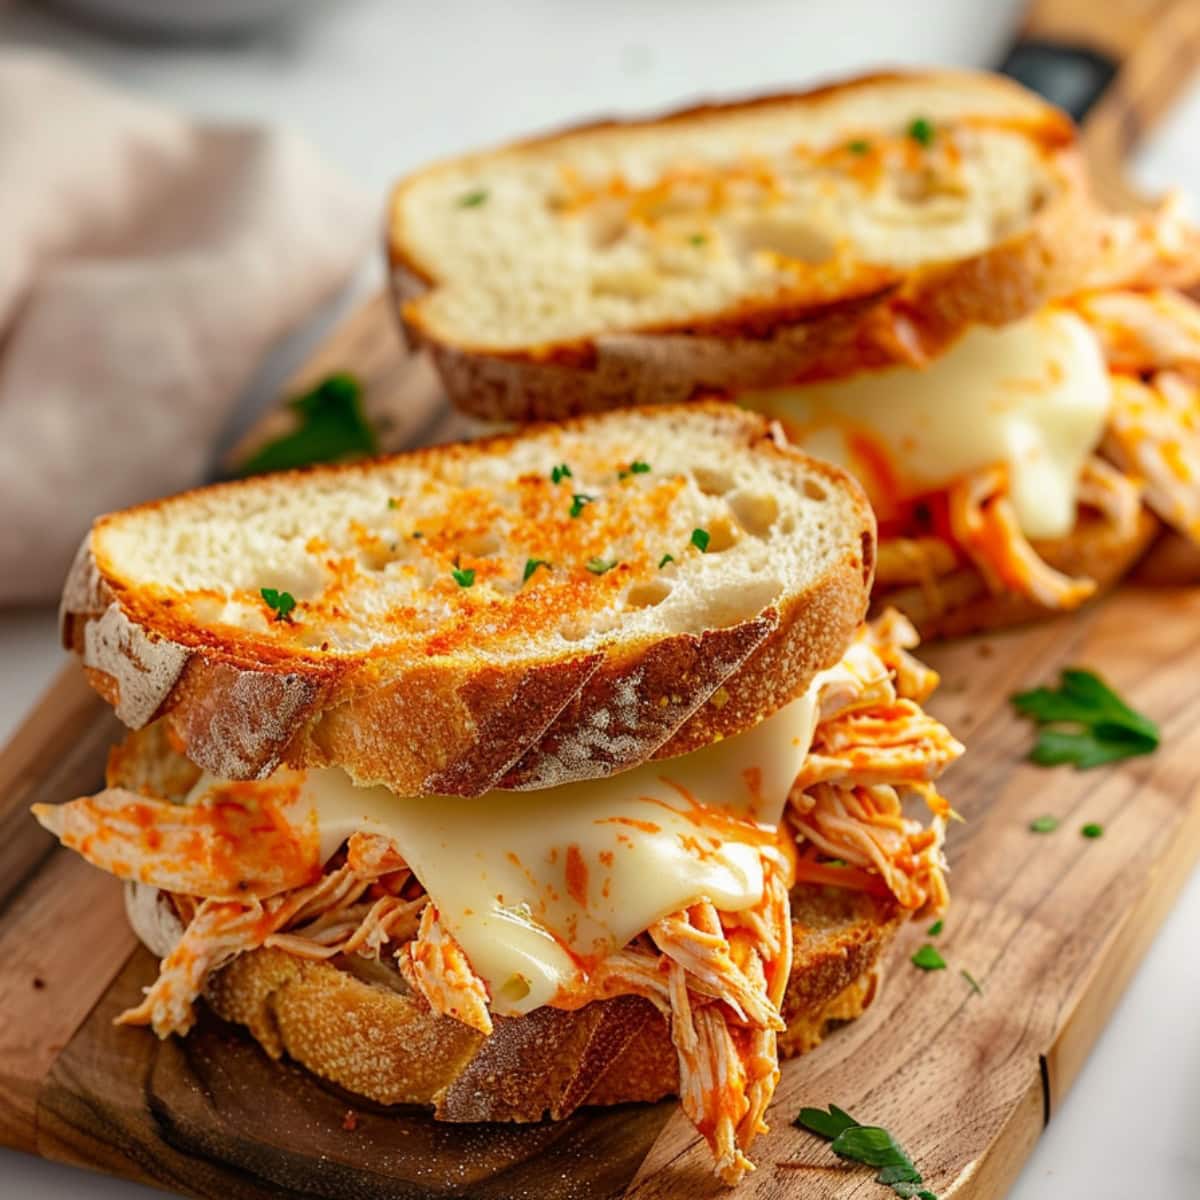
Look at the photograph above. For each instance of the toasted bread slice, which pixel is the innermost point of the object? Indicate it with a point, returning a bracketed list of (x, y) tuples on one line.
[(740, 245), (432, 649), (354, 1022)]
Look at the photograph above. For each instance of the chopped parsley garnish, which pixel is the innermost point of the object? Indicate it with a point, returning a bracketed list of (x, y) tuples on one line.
[(698, 239), (464, 576), (531, 565), (1043, 824), (870, 1145), (417, 534), (928, 958), (1083, 722), (1092, 831), (578, 500), (598, 566), (561, 472), (637, 467), (666, 558), (393, 502), (936, 928), (972, 981), (473, 199), (700, 539), (331, 425), (859, 146), (920, 129), (280, 603)]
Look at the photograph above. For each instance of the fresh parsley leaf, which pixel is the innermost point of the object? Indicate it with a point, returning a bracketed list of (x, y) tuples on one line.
[(698, 239), (393, 502), (859, 146), (331, 425), (666, 558), (1101, 727), (1092, 831), (928, 958), (464, 576), (700, 539), (417, 535), (280, 603), (936, 928), (531, 565), (921, 130), (1043, 824), (598, 566), (578, 500), (826, 1124), (637, 467), (972, 981), (561, 472), (473, 199)]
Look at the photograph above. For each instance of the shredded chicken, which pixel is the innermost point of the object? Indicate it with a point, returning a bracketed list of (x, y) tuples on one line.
[(436, 967), (985, 526), (719, 977), (1114, 495)]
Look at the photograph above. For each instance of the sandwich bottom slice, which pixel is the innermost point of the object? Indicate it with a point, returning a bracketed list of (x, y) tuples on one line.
[(672, 929)]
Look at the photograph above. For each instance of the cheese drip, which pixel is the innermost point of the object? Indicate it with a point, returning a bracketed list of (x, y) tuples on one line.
[(538, 886), (1033, 395)]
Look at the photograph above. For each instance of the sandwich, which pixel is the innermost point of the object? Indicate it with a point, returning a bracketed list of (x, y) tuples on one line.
[(548, 770), (908, 271)]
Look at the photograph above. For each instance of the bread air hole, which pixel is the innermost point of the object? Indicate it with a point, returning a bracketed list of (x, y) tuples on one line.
[(794, 240), (722, 534), (648, 594), (712, 481), (755, 512), (814, 491)]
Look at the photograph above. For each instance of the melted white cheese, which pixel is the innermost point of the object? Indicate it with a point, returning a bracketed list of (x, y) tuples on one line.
[(537, 885), (1034, 395)]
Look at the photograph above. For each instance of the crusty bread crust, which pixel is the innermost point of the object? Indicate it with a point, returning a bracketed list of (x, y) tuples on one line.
[(356, 1024), (1092, 550), (461, 724), (878, 317)]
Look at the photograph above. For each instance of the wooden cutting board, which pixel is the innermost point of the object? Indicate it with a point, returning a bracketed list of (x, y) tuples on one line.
[(1050, 925)]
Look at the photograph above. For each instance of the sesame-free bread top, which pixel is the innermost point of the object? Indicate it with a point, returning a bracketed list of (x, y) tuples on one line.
[(427, 651)]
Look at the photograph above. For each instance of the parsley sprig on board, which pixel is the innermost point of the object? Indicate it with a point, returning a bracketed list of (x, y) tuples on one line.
[(1085, 723), (867, 1144)]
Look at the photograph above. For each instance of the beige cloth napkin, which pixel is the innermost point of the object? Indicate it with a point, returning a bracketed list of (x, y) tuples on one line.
[(146, 265)]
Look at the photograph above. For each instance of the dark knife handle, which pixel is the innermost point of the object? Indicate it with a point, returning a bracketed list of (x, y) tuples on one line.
[(1073, 77)]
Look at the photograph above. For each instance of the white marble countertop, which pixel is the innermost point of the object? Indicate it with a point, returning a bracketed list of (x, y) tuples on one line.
[(383, 86)]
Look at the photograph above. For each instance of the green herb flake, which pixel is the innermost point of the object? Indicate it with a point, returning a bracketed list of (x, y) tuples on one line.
[(578, 500), (417, 535), (928, 958), (330, 425), (972, 981), (1085, 723), (280, 603), (464, 576), (700, 539), (561, 472), (859, 146), (531, 565), (393, 502), (473, 199), (1043, 824), (666, 558), (1092, 831), (867, 1144), (921, 130), (599, 566), (936, 928), (698, 239), (637, 467)]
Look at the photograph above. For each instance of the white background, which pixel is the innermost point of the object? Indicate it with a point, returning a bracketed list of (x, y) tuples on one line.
[(382, 86)]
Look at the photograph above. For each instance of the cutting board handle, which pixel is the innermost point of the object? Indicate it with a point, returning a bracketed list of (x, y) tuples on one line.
[(1115, 65)]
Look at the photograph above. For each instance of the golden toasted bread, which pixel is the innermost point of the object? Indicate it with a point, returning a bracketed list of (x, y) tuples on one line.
[(473, 616)]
